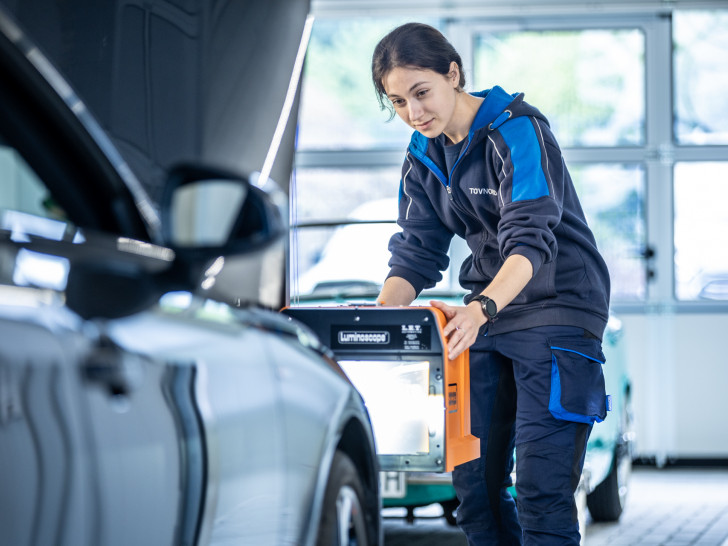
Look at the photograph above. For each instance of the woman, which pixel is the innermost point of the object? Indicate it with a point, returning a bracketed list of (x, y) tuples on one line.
[(485, 166)]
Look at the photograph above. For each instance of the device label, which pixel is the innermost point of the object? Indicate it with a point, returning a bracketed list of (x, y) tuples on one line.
[(401, 337), (357, 337)]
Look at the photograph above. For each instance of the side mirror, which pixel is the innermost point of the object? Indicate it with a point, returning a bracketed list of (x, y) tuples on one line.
[(227, 235), (213, 213)]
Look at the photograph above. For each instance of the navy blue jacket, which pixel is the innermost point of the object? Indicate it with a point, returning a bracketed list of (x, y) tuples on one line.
[(508, 193)]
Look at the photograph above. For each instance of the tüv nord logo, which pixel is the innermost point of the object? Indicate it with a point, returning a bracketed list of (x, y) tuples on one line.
[(375, 338), (480, 191)]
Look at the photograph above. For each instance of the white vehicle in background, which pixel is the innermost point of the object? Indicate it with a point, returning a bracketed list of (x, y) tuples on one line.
[(356, 255)]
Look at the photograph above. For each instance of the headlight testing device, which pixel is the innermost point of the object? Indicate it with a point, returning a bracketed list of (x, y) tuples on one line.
[(418, 399)]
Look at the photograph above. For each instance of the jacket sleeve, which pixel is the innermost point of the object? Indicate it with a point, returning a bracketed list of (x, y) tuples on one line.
[(532, 175), (419, 251)]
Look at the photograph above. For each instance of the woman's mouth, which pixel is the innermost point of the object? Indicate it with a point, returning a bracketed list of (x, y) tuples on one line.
[(423, 126)]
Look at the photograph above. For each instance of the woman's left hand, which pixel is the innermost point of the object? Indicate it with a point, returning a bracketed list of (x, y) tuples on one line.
[(463, 324)]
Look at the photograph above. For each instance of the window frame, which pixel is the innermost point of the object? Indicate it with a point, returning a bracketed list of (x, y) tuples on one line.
[(658, 154)]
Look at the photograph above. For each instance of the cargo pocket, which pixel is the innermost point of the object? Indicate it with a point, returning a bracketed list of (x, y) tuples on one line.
[(577, 381)]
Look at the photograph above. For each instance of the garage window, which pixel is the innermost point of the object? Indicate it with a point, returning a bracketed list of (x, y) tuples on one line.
[(339, 109), (589, 83), (701, 224), (635, 100), (343, 220), (701, 77)]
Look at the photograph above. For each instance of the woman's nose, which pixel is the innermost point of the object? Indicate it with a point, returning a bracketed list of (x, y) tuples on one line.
[(415, 110)]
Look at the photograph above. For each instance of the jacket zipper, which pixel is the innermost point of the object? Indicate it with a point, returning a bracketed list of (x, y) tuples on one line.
[(455, 204), (449, 186)]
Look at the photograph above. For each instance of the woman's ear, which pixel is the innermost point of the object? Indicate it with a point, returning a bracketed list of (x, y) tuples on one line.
[(454, 74)]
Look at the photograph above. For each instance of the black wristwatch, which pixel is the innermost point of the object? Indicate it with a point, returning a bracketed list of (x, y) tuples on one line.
[(490, 309)]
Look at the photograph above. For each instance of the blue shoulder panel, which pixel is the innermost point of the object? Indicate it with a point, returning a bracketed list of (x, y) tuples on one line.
[(529, 180)]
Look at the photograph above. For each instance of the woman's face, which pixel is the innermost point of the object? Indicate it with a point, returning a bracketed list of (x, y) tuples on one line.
[(424, 99)]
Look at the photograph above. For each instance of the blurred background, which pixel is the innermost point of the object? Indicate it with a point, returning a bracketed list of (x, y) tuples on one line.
[(636, 95)]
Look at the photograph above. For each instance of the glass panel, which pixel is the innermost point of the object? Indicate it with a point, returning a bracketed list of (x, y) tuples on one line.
[(348, 261), (701, 225), (25, 203), (27, 208), (349, 257), (339, 108), (613, 199), (589, 83), (701, 76), (397, 397), (332, 194)]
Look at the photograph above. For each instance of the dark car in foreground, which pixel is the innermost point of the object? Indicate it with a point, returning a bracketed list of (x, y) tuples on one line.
[(146, 397)]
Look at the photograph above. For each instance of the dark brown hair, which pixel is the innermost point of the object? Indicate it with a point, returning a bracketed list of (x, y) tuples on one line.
[(412, 45)]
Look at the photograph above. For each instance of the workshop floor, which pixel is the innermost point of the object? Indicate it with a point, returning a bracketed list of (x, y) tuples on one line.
[(669, 506)]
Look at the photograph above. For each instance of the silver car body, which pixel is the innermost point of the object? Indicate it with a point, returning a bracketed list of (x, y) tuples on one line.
[(134, 409)]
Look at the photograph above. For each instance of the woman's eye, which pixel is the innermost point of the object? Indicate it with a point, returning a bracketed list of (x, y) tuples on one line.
[(422, 92), (397, 102)]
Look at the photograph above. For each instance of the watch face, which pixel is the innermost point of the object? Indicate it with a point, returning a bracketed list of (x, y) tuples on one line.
[(490, 309)]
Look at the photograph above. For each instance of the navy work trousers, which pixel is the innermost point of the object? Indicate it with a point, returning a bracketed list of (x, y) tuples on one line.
[(510, 384)]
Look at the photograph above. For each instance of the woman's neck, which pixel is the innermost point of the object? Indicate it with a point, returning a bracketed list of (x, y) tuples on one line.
[(466, 107)]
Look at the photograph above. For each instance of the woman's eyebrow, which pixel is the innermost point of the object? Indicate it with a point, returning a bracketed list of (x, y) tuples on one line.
[(416, 85), (412, 88)]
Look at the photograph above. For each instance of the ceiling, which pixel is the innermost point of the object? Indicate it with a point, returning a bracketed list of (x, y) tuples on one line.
[(501, 8)]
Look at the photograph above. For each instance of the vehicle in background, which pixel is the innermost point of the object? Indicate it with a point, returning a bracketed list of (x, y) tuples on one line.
[(146, 394), (605, 480)]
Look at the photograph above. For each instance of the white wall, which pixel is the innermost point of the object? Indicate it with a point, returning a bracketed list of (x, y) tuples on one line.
[(679, 383)]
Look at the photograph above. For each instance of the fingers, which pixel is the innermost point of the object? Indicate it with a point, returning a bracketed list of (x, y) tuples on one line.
[(457, 323), (459, 341), (460, 330), (447, 310)]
